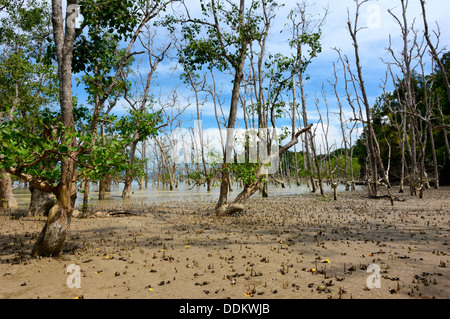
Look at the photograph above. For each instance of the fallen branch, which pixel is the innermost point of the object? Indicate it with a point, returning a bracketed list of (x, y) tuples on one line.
[(392, 198), (120, 213)]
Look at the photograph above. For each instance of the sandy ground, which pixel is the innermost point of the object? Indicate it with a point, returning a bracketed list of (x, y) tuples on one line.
[(281, 247)]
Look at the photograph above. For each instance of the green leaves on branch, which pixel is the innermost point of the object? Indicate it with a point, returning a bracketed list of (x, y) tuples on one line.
[(33, 146), (247, 172), (314, 48), (25, 25), (117, 17), (36, 145), (141, 123), (216, 43), (104, 158)]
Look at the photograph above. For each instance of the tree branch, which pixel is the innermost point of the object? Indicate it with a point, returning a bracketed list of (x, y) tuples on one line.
[(294, 140), (35, 182)]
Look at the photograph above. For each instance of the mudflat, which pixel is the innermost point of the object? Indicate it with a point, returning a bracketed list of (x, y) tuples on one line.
[(296, 246)]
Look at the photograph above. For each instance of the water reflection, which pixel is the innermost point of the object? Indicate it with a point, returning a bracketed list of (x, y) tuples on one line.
[(183, 192)]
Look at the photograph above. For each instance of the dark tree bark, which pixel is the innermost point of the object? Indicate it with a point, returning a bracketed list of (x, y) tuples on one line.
[(104, 187), (41, 202)]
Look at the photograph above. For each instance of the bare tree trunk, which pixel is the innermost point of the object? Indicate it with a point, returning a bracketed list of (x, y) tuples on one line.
[(104, 187), (447, 144), (334, 186), (41, 202), (294, 111), (51, 240), (405, 65), (435, 162), (186, 169), (153, 61), (384, 172), (239, 74), (87, 186), (373, 184), (433, 50), (144, 156), (237, 204), (52, 237), (402, 137), (297, 178), (7, 199), (126, 193), (318, 167), (197, 86), (344, 137), (224, 184), (225, 181), (307, 136), (168, 166)]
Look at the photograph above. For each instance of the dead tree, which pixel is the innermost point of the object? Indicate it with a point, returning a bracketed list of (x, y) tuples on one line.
[(141, 100), (406, 64), (341, 121), (434, 48), (372, 150)]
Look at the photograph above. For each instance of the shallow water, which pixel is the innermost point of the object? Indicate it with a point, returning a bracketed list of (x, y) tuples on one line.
[(182, 193)]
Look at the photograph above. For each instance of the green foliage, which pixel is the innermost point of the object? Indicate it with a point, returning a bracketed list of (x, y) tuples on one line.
[(103, 159), (199, 175), (312, 41), (26, 83), (32, 145), (117, 17), (143, 122), (25, 24), (247, 172), (28, 90), (207, 45), (33, 139), (96, 48)]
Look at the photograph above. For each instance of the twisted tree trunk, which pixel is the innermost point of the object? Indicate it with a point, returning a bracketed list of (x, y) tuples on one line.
[(52, 237)]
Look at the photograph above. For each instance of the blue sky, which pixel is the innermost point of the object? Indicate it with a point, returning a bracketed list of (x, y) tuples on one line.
[(373, 41)]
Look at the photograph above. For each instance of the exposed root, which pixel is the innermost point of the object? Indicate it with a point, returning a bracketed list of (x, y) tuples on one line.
[(229, 209)]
